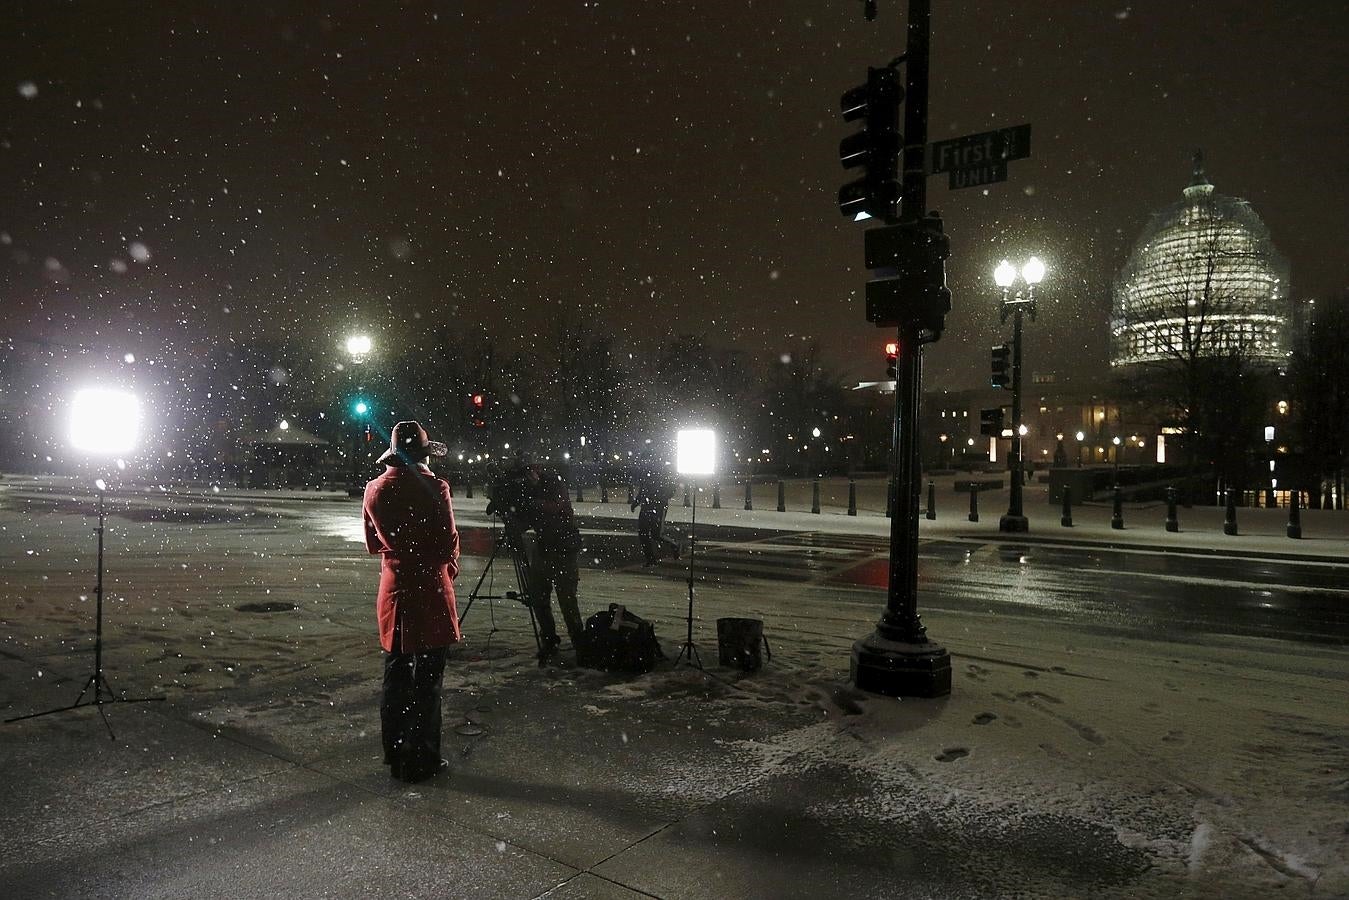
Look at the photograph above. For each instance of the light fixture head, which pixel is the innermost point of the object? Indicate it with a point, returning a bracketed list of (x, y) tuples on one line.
[(1004, 274), (696, 451), (104, 421), (1033, 271), (359, 345)]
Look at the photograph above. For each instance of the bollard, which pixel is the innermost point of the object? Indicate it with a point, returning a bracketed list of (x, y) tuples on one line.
[(852, 497), (1117, 517), (604, 492), (1172, 523), (686, 495), (580, 497), (974, 504), (1294, 514), (468, 489), (1066, 520), (931, 500), (1230, 519), (631, 498), (716, 495), (815, 497), (749, 494), (782, 496), (1271, 502)]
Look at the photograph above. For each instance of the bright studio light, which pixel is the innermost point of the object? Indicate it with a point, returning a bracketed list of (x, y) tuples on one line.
[(696, 452), (1004, 274), (104, 421)]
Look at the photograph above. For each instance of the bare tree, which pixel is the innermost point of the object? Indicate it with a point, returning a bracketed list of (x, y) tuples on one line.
[(1319, 378)]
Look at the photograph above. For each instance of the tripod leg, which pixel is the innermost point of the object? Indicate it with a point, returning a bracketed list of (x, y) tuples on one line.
[(473, 595)]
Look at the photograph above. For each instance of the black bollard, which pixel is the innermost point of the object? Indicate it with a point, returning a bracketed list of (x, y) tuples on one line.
[(852, 497), (604, 492), (1172, 523), (931, 501), (1117, 517), (782, 496), (974, 504), (716, 495), (749, 494), (1294, 514), (815, 497), (580, 497), (1066, 520), (686, 496), (468, 488), (631, 498), (1230, 520)]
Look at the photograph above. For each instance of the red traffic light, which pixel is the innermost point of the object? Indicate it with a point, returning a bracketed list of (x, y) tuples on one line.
[(478, 400), (892, 350)]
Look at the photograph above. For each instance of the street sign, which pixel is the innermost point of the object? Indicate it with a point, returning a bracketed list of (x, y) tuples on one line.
[(985, 174), (975, 151)]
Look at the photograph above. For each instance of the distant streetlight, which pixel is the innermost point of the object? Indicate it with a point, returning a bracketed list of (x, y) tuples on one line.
[(358, 347), (1005, 275)]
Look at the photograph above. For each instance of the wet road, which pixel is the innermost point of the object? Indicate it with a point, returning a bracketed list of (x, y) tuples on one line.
[(1144, 593)]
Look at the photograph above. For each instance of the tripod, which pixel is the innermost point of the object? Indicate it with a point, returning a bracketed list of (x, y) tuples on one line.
[(103, 692), (688, 648), (522, 577)]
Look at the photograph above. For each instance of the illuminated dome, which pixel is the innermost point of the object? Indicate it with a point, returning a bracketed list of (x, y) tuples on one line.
[(1203, 280)]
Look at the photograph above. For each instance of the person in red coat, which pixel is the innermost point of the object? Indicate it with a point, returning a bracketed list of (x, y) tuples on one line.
[(409, 523)]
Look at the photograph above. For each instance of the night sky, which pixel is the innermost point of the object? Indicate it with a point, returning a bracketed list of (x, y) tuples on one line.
[(175, 174)]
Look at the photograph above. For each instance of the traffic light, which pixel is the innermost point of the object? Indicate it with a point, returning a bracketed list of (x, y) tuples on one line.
[(1002, 366), (360, 407), (891, 358), (874, 149), (477, 409), (990, 421), (910, 259), (369, 433)]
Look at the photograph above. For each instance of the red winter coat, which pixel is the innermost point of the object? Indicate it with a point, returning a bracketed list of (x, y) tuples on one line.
[(409, 521)]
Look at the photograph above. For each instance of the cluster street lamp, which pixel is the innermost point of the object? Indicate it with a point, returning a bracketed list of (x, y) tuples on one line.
[(1014, 304)]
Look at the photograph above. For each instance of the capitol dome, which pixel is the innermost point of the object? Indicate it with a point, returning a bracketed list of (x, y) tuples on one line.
[(1203, 280)]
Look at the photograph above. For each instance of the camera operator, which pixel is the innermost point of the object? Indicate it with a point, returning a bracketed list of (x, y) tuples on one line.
[(652, 493), (559, 544)]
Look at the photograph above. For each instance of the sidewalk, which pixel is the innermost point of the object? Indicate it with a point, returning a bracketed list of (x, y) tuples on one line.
[(1066, 763)]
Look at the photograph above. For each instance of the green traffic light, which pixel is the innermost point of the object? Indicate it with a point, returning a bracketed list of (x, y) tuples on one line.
[(361, 408)]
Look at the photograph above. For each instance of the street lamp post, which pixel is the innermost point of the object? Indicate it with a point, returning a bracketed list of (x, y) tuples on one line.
[(358, 348), (1081, 436), (1032, 273)]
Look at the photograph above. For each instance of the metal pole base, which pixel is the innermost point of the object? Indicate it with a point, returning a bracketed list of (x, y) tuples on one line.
[(897, 669), (1014, 524)]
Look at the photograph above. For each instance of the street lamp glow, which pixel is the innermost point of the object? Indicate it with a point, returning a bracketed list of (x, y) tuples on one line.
[(1080, 436), (359, 345), (1004, 274), (361, 408), (284, 426), (1022, 430), (1033, 271), (814, 432), (104, 421)]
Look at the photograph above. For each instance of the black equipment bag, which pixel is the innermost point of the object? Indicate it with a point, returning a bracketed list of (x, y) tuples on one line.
[(617, 641)]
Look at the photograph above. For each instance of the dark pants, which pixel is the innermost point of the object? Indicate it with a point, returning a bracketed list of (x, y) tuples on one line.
[(409, 712), (649, 523), (557, 570)]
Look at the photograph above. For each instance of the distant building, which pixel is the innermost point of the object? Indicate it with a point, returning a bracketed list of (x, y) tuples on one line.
[(1203, 280)]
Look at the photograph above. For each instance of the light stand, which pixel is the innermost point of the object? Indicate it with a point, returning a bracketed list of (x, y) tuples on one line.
[(103, 692), (696, 454), (689, 649)]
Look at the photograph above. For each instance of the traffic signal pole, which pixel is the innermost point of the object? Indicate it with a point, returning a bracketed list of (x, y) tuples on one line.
[(898, 658)]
